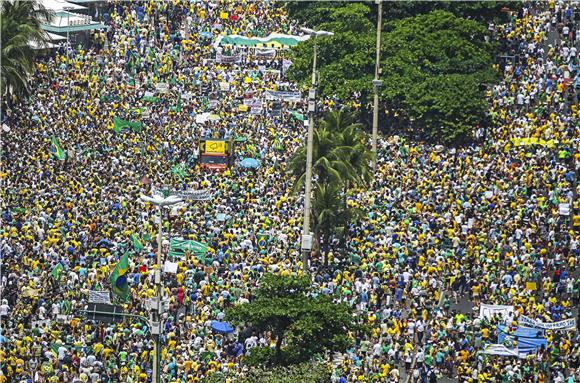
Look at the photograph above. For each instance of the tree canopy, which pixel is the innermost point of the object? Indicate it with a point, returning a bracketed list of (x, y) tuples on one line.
[(20, 25), (432, 64), (303, 324)]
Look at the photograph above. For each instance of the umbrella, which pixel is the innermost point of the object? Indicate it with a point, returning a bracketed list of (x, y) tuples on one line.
[(221, 327), (250, 163)]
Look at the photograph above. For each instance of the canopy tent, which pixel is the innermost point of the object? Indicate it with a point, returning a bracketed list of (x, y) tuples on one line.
[(274, 40), (64, 22), (61, 5), (221, 327), (250, 163)]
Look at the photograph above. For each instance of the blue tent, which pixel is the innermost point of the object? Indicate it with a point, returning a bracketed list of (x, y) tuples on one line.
[(221, 327)]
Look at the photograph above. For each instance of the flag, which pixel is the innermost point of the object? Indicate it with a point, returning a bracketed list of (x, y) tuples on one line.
[(278, 144), (179, 246), (57, 149), (150, 99), (298, 116), (121, 124), (118, 278), (57, 272), (137, 245), (179, 170), (177, 108), (262, 241)]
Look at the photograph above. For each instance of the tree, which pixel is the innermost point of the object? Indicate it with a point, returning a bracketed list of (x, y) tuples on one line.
[(302, 323), (419, 53), (303, 372), (341, 159), (20, 27)]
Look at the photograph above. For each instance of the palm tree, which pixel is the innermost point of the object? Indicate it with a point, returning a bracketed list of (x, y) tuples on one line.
[(21, 22), (340, 159)]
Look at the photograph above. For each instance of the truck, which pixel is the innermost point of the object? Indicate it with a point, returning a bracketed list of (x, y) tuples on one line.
[(216, 153)]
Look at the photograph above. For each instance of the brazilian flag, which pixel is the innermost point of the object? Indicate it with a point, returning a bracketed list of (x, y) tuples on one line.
[(120, 124), (179, 170), (262, 241), (57, 149), (118, 278)]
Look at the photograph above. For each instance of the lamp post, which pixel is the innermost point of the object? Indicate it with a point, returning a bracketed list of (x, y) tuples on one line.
[(306, 244), (156, 308), (67, 9), (161, 201), (376, 86)]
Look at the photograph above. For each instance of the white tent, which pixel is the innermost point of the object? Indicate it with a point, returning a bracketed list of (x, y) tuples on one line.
[(61, 5)]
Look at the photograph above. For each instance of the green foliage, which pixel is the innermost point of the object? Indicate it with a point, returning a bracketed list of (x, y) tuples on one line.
[(340, 159), (433, 66), (303, 372), (303, 325), (20, 27), (430, 60)]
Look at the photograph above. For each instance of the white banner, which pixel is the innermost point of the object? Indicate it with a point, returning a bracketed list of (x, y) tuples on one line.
[(488, 311), (219, 58), (265, 53), (99, 297), (568, 324), (499, 349), (253, 102), (283, 96)]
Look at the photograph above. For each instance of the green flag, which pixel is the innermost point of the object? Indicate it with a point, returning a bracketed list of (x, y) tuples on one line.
[(298, 116), (121, 124), (150, 99), (177, 107), (179, 170), (137, 245), (57, 149), (118, 278), (177, 247), (57, 272)]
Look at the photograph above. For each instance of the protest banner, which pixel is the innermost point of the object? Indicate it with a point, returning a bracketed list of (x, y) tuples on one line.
[(99, 297), (488, 311), (568, 324), (283, 96)]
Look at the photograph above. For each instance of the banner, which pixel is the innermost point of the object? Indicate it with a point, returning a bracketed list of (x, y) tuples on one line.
[(283, 96), (56, 149), (488, 311), (568, 324), (215, 147), (220, 58), (499, 349), (120, 124), (178, 247), (99, 297), (265, 54), (253, 102)]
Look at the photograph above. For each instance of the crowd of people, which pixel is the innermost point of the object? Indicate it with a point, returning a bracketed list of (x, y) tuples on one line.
[(444, 230)]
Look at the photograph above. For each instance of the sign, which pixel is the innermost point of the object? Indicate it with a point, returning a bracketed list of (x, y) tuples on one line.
[(499, 349), (99, 297), (265, 53), (283, 96), (532, 286), (568, 324), (224, 86), (219, 58), (170, 267), (488, 311), (215, 147), (104, 313), (564, 209), (162, 87)]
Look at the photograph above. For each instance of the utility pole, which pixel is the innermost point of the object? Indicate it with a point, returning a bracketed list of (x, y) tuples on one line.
[(376, 86), (306, 244)]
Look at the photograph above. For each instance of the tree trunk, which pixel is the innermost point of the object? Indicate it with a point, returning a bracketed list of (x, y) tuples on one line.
[(279, 340)]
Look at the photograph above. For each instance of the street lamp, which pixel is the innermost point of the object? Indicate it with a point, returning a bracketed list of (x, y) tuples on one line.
[(376, 86), (161, 201), (306, 244), (156, 309), (67, 9)]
